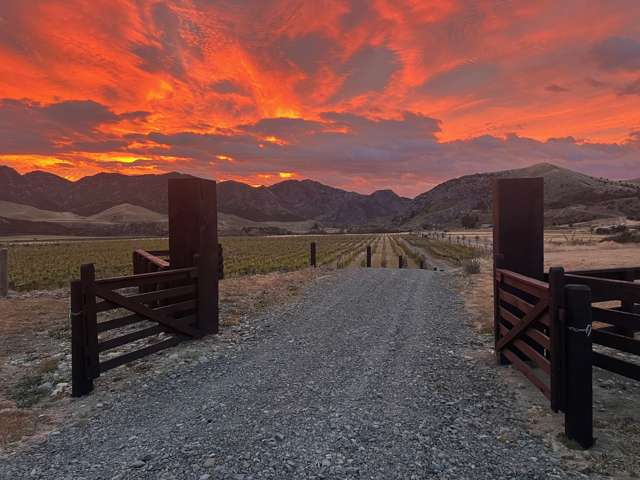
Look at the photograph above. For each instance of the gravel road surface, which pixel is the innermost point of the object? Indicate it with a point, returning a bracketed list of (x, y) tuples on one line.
[(366, 376)]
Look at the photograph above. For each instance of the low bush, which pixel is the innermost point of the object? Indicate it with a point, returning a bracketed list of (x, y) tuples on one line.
[(471, 266)]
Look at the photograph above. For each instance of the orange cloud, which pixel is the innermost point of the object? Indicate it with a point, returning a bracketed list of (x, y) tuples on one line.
[(256, 87)]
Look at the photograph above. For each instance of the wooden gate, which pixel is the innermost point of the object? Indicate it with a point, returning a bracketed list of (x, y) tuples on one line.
[(164, 302), (522, 326)]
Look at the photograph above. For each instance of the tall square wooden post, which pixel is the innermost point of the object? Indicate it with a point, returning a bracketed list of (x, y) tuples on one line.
[(518, 225), (193, 230)]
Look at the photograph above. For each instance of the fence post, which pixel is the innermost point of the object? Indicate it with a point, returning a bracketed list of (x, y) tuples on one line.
[(369, 256), (220, 262), (312, 254), (497, 282), (557, 336), (81, 381), (4, 272), (88, 278), (578, 420)]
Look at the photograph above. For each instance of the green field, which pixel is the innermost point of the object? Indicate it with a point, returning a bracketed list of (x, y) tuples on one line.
[(53, 264)]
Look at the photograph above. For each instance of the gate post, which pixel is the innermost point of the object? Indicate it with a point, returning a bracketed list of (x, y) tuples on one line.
[(193, 230), (81, 381), (557, 337), (369, 256), (220, 262), (518, 224), (4, 273), (497, 284), (90, 318), (578, 419)]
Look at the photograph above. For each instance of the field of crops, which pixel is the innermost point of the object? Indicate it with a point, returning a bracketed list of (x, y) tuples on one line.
[(53, 264)]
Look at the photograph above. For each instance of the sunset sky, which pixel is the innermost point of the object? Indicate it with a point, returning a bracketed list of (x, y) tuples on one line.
[(363, 95)]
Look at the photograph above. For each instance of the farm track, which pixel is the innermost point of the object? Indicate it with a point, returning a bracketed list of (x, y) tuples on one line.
[(365, 376)]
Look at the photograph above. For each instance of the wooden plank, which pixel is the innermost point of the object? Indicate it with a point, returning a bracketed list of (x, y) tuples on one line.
[(120, 322), (129, 337), (527, 372), (612, 273), (618, 342), (511, 299), (167, 293), (146, 278), (524, 323), (177, 307), (138, 354), (147, 312), (616, 317), (603, 289), (530, 285), (533, 355), (159, 262), (539, 337), (536, 335), (618, 366)]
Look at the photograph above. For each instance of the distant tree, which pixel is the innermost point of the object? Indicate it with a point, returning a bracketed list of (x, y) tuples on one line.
[(470, 220)]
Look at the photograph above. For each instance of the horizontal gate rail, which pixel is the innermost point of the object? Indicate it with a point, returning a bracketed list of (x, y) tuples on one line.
[(605, 289)]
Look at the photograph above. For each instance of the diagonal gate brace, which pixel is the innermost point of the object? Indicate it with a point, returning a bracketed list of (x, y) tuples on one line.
[(147, 312), (524, 324)]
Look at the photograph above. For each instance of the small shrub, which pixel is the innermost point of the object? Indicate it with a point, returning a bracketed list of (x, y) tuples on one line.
[(630, 236), (471, 266), (26, 392)]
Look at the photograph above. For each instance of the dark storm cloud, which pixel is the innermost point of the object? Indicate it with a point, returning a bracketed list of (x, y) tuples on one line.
[(307, 52), (368, 70), (167, 49), (342, 144), (227, 87), (30, 127), (285, 128), (617, 53)]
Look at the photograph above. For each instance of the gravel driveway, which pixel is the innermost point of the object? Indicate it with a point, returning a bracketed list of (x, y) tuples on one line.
[(366, 376)]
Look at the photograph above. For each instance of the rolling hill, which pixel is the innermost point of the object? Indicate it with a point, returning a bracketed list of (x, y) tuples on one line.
[(570, 197)]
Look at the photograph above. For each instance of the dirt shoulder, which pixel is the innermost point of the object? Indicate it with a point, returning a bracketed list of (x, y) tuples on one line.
[(616, 453), (35, 351)]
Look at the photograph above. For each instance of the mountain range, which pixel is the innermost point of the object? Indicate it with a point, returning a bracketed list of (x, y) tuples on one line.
[(106, 203)]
